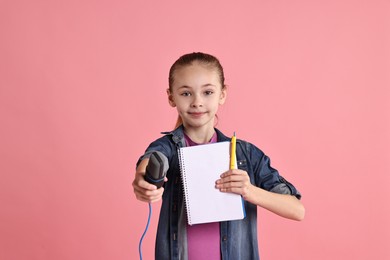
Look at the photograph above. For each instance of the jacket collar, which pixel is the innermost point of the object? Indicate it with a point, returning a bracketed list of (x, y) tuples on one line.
[(178, 136)]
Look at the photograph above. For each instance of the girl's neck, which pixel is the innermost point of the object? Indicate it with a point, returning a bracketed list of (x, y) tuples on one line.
[(200, 136)]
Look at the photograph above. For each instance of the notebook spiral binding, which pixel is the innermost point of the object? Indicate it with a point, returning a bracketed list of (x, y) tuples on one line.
[(183, 178)]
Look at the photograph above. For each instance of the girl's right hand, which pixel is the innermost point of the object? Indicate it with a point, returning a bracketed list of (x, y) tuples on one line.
[(143, 190)]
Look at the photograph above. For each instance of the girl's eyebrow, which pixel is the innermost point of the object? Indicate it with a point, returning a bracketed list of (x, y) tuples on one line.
[(184, 87), (208, 85), (203, 86)]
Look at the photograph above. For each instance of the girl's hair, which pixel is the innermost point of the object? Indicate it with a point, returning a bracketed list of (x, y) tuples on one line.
[(188, 59)]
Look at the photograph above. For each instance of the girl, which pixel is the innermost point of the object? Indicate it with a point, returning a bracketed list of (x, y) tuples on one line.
[(197, 89)]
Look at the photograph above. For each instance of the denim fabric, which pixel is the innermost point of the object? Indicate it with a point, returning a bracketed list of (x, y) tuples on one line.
[(239, 237)]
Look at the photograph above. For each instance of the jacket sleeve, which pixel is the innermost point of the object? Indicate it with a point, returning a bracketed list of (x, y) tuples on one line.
[(266, 177)]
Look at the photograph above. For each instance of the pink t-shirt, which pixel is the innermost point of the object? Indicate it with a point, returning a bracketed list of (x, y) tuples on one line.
[(203, 239)]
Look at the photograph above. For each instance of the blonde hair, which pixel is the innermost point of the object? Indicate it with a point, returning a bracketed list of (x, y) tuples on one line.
[(188, 59)]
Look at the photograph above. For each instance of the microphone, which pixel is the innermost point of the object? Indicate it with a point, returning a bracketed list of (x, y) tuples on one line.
[(156, 169), (155, 173)]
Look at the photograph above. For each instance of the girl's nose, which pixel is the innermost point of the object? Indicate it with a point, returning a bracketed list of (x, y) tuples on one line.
[(197, 101)]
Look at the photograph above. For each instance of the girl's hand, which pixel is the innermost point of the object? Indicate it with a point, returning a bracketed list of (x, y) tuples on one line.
[(235, 181), (143, 190)]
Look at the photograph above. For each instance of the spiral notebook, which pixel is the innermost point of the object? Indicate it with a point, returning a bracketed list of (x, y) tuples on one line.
[(200, 167)]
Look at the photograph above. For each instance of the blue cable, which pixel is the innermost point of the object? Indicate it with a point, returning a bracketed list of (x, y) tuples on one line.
[(146, 229)]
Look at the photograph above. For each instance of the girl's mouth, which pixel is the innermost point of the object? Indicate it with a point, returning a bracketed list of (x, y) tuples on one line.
[(196, 114)]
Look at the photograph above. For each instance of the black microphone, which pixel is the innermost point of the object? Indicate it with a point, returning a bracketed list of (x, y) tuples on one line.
[(156, 169)]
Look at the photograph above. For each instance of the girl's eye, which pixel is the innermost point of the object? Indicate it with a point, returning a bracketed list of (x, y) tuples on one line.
[(208, 92), (185, 94)]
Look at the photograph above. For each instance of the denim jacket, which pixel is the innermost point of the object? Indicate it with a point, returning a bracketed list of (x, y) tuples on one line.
[(238, 237)]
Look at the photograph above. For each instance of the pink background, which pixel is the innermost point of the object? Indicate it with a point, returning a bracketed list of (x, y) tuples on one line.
[(82, 93)]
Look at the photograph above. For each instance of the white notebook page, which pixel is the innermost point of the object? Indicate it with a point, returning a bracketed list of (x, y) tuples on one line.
[(201, 166)]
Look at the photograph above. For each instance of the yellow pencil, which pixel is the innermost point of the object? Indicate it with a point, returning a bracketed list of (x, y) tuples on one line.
[(233, 152)]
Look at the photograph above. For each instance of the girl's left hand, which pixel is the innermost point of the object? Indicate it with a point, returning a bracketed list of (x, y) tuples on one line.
[(235, 181)]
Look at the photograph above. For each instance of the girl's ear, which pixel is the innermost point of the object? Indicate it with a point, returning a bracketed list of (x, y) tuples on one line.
[(222, 97), (170, 98)]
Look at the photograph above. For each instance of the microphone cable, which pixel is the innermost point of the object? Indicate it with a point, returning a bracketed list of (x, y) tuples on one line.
[(146, 229)]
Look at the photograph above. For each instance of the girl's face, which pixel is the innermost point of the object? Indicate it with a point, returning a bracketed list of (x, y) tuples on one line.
[(196, 93)]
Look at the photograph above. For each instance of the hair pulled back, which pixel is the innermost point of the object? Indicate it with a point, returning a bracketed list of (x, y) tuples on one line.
[(203, 58)]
